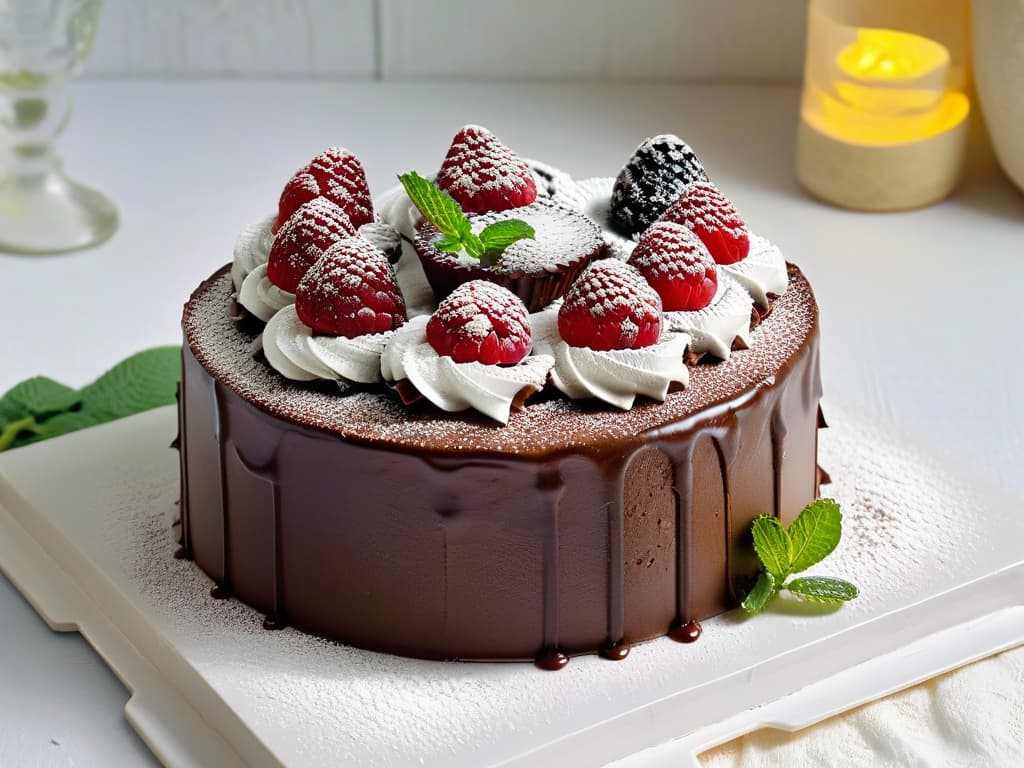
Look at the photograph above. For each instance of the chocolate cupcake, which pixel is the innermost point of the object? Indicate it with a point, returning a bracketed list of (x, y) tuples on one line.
[(538, 271)]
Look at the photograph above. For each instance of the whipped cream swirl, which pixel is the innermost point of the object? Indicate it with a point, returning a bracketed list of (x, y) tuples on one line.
[(294, 351), (493, 390), (615, 376), (261, 297), (726, 319), (251, 249), (762, 272)]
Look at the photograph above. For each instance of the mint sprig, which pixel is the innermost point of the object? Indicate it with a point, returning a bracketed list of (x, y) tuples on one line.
[(441, 210), (40, 407), (808, 540)]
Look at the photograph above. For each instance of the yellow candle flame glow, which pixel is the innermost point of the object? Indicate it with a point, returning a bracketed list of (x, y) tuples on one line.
[(884, 54), (888, 72)]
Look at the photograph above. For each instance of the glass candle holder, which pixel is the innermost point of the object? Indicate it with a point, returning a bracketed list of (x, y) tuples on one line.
[(42, 46), (883, 120)]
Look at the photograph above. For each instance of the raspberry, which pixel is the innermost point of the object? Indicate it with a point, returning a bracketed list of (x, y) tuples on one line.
[(652, 179), (335, 174), (482, 174), (481, 322), (312, 229), (677, 265), (706, 211), (610, 306), (351, 291)]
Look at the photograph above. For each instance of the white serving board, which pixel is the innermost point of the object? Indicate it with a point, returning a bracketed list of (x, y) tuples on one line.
[(85, 534)]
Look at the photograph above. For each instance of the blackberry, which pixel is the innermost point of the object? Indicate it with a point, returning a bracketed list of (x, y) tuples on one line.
[(652, 180)]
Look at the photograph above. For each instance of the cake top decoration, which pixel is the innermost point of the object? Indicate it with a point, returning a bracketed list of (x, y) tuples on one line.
[(313, 228), (351, 291), (610, 306), (655, 175), (440, 209), (677, 265), (336, 174), (703, 209), (483, 174), (481, 322)]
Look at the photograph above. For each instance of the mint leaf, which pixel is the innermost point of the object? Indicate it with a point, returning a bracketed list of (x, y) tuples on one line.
[(815, 533), (763, 591), (436, 205), (473, 245), (772, 544), (822, 589), (441, 210), (500, 235), (449, 244), (40, 396)]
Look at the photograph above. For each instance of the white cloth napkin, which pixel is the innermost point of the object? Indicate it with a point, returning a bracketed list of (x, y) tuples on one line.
[(973, 716)]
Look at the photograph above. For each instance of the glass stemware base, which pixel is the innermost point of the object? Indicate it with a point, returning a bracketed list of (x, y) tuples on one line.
[(50, 213)]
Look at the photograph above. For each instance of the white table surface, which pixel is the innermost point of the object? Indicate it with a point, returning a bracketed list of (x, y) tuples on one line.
[(919, 308)]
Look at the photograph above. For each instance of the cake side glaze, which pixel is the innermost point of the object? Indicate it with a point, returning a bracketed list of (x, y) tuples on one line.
[(570, 530)]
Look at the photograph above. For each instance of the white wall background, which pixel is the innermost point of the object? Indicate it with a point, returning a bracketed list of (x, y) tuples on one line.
[(723, 41)]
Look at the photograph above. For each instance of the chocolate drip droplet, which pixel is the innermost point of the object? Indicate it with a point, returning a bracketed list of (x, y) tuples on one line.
[(551, 660), (685, 633), (220, 591), (275, 622), (616, 651)]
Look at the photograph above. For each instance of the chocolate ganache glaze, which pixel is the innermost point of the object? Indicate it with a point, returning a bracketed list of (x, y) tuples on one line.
[(575, 528)]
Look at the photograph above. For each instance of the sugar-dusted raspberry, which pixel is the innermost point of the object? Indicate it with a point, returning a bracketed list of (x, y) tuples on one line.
[(652, 179), (610, 306), (709, 214), (481, 322), (312, 229), (482, 174), (677, 265), (335, 174), (351, 291)]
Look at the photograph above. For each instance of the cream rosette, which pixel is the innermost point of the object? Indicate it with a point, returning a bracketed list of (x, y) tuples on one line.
[(493, 390)]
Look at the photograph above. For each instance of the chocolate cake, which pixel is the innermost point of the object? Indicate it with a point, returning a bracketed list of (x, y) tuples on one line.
[(400, 520)]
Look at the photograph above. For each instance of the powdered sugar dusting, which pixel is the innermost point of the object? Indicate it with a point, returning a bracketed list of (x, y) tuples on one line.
[(563, 237), (477, 162), (302, 239), (703, 205), (317, 702), (672, 251), (610, 291), (651, 180)]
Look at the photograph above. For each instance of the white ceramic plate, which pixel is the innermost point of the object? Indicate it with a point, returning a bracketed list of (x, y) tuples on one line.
[(85, 534)]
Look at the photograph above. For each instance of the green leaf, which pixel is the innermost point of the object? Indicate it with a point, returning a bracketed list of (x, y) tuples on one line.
[(436, 205), (815, 533), (772, 544), (500, 235), (145, 380), (39, 396), (473, 245), (12, 430), (449, 244), (763, 591), (9, 412), (822, 589)]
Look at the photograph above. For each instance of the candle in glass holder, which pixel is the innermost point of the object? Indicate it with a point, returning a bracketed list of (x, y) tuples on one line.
[(883, 119)]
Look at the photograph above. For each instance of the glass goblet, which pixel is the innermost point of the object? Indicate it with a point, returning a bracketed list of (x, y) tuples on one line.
[(42, 46)]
